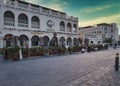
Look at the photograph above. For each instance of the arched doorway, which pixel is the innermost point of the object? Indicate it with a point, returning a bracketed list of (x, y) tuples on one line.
[(35, 41), (80, 41), (23, 20), (62, 26), (9, 18), (35, 22), (86, 41), (69, 27), (8, 40), (23, 39), (46, 41), (75, 28), (75, 42), (62, 41), (69, 41), (54, 40)]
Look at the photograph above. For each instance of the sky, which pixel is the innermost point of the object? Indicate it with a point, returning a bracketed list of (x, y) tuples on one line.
[(89, 12)]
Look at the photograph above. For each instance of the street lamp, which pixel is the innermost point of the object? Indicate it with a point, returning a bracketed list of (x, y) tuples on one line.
[(66, 48)]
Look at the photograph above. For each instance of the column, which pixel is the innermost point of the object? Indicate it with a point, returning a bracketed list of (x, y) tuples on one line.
[(1, 42), (30, 44), (20, 51)]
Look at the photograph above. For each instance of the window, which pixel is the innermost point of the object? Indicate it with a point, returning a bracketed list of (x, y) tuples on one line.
[(69, 27), (62, 26), (23, 21), (35, 40), (35, 22), (9, 19)]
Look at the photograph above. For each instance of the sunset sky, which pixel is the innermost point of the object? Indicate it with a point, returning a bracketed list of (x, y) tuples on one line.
[(90, 12)]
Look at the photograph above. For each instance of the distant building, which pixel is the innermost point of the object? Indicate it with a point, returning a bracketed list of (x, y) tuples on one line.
[(31, 25), (99, 34)]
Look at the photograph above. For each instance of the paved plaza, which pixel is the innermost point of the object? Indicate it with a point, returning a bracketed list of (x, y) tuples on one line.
[(86, 69)]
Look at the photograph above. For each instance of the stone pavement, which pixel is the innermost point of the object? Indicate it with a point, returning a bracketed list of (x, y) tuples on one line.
[(88, 69)]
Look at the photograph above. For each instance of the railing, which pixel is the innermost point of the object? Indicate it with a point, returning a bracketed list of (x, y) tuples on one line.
[(69, 29), (62, 28), (35, 26), (54, 13), (9, 2), (7, 23), (62, 15), (36, 9), (23, 25), (45, 10), (21, 5)]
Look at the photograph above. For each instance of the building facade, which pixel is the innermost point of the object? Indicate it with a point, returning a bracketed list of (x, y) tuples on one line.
[(99, 34), (30, 25)]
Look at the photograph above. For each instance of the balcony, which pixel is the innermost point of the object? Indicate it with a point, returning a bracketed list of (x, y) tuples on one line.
[(23, 25), (62, 28), (23, 6), (72, 18), (36, 8), (45, 11), (54, 13), (7, 23), (35, 26)]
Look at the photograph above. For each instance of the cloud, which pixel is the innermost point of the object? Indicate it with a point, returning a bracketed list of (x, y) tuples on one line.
[(57, 5), (94, 9), (99, 8), (110, 19), (53, 4), (35, 1)]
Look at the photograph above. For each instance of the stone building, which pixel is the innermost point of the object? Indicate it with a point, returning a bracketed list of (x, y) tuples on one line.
[(31, 25), (99, 34)]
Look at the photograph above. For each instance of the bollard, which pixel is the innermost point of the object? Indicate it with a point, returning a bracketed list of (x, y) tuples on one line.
[(117, 62)]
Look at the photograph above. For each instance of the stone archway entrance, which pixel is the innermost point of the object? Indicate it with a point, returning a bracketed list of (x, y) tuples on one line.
[(54, 40), (62, 41), (8, 40), (23, 39)]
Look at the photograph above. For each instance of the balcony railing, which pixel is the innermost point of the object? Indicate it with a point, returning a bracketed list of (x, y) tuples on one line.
[(35, 26), (36, 9), (62, 28), (69, 29), (8, 23), (9, 2), (54, 13), (45, 11), (23, 25), (21, 5), (30, 7)]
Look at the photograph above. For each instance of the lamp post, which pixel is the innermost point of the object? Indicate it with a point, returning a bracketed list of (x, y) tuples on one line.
[(117, 62)]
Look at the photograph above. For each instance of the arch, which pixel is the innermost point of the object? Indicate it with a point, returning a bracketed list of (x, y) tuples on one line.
[(69, 27), (9, 40), (75, 41), (69, 41), (23, 39), (62, 26), (80, 41), (35, 22), (23, 20), (46, 41), (74, 27), (54, 41), (86, 41), (9, 18), (62, 41), (35, 40)]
